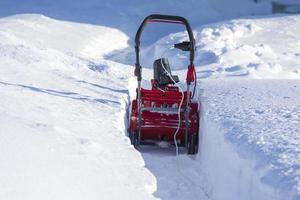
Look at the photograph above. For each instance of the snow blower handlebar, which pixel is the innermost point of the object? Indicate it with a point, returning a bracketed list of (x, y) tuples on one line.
[(164, 19), (191, 75)]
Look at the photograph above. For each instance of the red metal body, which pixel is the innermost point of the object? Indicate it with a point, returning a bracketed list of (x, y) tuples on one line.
[(159, 111)]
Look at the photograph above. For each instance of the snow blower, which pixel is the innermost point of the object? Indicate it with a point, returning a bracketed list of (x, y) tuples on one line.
[(165, 112)]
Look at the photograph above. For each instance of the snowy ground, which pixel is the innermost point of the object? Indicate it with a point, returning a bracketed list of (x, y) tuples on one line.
[(125, 16), (249, 90), (259, 117), (62, 114), (63, 103), (259, 122)]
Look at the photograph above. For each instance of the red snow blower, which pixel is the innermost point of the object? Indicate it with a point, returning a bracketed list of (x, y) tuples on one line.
[(165, 112)]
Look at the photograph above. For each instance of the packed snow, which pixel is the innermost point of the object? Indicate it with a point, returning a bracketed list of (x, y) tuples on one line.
[(65, 93), (62, 114)]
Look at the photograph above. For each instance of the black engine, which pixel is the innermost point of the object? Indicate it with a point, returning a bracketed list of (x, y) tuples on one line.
[(162, 73)]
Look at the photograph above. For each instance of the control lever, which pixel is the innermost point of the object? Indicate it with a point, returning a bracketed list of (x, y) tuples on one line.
[(184, 46)]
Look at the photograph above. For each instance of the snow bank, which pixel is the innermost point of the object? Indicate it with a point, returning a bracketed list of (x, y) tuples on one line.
[(62, 114), (248, 48), (258, 119), (250, 127), (43, 32), (251, 138), (126, 15), (63, 103), (255, 48)]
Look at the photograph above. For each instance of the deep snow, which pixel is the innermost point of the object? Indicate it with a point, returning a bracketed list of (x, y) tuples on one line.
[(63, 103), (125, 16), (62, 114), (258, 120)]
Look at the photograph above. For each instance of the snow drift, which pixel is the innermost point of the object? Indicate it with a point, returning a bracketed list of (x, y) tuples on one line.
[(250, 145), (63, 102), (62, 114)]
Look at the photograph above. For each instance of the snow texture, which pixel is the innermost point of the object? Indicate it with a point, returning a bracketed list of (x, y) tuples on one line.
[(65, 96), (260, 120), (62, 114), (249, 89)]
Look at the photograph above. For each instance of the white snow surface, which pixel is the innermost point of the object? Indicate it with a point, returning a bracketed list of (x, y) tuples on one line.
[(259, 121), (62, 114), (126, 16), (249, 89), (63, 105)]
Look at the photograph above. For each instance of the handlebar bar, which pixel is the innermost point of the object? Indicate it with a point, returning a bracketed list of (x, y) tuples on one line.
[(164, 19)]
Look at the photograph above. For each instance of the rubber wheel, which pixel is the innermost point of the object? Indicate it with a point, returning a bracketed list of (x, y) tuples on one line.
[(192, 144), (133, 136), (135, 140), (130, 135)]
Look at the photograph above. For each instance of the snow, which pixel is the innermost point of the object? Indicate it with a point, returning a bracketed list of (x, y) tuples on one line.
[(62, 115), (249, 89), (239, 48), (65, 95), (91, 41), (246, 48), (259, 120), (126, 16)]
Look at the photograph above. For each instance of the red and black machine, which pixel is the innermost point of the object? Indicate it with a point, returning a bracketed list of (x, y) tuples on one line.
[(165, 112)]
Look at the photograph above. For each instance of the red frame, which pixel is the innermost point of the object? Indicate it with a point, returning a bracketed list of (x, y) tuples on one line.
[(162, 126), (166, 21)]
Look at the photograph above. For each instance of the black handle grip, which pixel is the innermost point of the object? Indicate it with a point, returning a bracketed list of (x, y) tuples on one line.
[(184, 46)]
